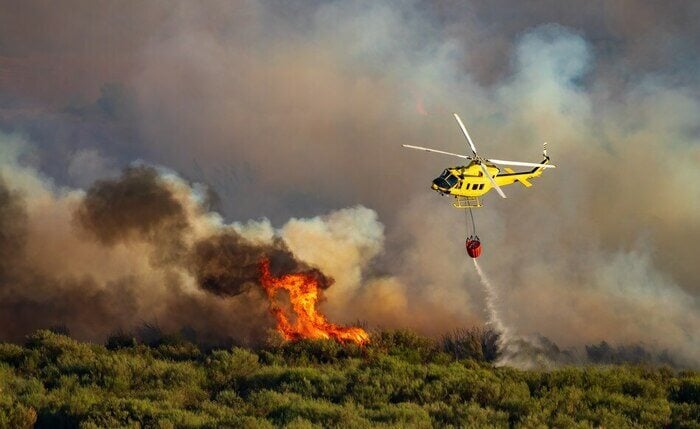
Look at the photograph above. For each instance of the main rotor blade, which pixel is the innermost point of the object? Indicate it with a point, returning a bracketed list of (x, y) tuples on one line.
[(436, 151), (524, 164), (466, 133), (493, 182)]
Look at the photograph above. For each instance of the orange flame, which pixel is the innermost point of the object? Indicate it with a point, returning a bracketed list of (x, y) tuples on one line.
[(304, 294)]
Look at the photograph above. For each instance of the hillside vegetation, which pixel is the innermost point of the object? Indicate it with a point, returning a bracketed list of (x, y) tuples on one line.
[(400, 380)]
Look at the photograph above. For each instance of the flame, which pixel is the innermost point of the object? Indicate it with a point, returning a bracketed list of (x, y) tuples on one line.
[(304, 294)]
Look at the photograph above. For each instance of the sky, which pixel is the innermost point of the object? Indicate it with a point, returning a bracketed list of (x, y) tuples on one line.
[(284, 122)]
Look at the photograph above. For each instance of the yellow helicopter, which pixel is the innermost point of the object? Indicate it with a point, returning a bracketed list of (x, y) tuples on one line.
[(470, 182)]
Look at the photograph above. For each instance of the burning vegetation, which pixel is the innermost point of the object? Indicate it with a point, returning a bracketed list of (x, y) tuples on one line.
[(304, 292)]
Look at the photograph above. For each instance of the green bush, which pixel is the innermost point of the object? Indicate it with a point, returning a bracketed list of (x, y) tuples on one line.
[(475, 343), (326, 383), (13, 414), (317, 351), (404, 344), (399, 380), (12, 354), (687, 390), (226, 369)]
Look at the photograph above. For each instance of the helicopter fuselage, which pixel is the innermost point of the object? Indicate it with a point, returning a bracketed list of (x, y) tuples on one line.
[(469, 180)]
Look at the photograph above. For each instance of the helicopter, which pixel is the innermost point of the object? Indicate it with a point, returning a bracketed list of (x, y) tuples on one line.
[(468, 183)]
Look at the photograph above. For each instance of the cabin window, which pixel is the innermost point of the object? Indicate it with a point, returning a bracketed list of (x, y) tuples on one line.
[(481, 186), (466, 186), (475, 186)]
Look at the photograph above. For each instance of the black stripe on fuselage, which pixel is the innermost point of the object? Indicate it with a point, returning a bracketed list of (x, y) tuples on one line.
[(534, 170)]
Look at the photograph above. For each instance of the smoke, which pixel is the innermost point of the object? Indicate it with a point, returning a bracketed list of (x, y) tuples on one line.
[(291, 110), (534, 351), (139, 248)]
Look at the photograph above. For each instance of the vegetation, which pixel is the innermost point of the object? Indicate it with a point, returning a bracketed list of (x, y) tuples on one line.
[(400, 380)]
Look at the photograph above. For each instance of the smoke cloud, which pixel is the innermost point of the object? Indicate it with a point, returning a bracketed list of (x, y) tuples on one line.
[(296, 112), (139, 248)]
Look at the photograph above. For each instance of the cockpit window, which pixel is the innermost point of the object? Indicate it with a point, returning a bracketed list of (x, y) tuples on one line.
[(446, 180), (451, 180)]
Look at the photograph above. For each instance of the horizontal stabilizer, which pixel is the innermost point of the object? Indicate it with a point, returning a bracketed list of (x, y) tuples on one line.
[(525, 182)]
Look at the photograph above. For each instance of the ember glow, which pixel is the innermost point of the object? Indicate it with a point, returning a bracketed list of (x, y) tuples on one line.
[(303, 290)]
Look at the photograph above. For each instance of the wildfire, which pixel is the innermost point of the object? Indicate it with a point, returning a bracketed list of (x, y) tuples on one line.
[(303, 293)]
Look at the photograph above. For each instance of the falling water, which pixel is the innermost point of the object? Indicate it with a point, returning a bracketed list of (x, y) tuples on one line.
[(514, 350), (491, 304)]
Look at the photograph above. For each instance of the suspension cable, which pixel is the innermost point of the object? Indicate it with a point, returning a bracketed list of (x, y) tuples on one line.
[(473, 223)]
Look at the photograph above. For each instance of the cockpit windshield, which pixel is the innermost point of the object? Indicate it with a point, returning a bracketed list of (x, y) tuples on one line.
[(446, 180)]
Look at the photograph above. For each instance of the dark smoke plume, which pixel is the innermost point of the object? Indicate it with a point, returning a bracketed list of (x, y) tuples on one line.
[(227, 265), (140, 206), (136, 206), (140, 248), (13, 230)]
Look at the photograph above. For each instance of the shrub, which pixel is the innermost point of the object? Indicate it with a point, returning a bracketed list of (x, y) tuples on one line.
[(285, 408), (405, 345), (121, 340), (475, 343), (403, 414), (312, 351), (687, 390), (12, 354), (226, 369), (323, 383), (16, 415)]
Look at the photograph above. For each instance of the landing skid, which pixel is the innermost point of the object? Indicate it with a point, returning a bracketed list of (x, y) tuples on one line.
[(467, 203)]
